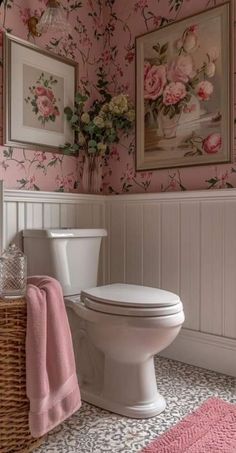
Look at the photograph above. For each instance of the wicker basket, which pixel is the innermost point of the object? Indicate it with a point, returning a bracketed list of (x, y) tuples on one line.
[(14, 405)]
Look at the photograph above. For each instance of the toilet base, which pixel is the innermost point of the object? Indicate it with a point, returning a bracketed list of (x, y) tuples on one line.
[(128, 389), (146, 410)]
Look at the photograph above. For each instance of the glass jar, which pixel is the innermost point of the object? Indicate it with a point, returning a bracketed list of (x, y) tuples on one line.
[(13, 273)]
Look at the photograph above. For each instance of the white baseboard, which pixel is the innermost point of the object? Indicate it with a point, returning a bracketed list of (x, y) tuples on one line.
[(204, 350)]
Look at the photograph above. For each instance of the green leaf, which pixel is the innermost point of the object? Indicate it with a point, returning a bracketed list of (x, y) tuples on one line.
[(156, 47), (68, 111), (212, 181), (164, 48), (22, 181), (92, 144), (74, 118)]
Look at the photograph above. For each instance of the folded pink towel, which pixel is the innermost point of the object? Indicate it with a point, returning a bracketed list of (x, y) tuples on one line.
[(51, 380)]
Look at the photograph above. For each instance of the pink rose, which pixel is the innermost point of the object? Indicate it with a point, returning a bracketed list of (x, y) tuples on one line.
[(45, 106), (107, 56), (154, 81), (180, 69), (173, 93), (193, 28), (147, 67), (212, 143), (204, 90), (129, 56), (140, 4), (40, 91), (56, 111), (49, 94), (40, 156)]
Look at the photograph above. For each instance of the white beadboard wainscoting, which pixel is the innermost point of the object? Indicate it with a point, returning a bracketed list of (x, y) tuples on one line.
[(184, 242), (22, 209)]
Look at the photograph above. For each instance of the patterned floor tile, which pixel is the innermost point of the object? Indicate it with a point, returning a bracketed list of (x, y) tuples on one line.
[(92, 430)]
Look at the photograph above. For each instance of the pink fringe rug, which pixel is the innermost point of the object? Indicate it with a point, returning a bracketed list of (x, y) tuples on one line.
[(210, 429)]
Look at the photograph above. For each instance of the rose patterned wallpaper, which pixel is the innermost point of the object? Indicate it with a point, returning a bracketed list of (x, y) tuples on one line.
[(27, 169), (103, 35), (124, 21)]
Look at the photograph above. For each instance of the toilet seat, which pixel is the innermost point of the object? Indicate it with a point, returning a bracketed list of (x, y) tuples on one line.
[(131, 300)]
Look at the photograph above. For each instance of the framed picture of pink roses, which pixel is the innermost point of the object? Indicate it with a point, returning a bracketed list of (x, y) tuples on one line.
[(184, 96), (37, 86)]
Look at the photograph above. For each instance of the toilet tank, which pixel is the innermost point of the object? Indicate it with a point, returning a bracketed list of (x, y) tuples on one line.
[(69, 255)]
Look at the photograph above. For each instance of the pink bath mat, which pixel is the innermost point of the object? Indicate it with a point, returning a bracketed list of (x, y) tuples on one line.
[(210, 429)]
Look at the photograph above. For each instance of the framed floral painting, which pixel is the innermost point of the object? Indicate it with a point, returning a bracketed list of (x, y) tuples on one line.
[(184, 96), (37, 86)]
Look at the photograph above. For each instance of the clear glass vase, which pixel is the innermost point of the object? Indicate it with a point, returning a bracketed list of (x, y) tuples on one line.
[(91, 180), (13, 273)]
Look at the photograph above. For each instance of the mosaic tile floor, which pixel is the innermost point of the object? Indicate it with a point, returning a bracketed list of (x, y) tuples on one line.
[(92, 430)]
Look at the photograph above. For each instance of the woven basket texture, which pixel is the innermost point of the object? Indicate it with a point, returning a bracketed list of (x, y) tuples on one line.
[(14, 404)]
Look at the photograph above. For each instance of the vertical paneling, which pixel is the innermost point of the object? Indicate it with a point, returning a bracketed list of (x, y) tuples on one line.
[(229, 328), (10, 222), (20, 223), (68, 215), (190, 262), (116, 232), (34, 215), (170, 247), (84, 215), (51, 214), (1, 216), (184, 243), (134, 243), (151, 244), (23, 209), (212, 265), (98, 215)]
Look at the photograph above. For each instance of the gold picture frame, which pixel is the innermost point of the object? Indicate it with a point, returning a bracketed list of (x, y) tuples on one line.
[(184, 92)]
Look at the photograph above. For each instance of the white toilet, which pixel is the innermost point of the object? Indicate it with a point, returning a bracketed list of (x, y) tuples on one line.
[(116, 329)]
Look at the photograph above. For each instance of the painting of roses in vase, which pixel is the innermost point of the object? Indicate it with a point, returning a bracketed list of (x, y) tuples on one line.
[(183, 92)]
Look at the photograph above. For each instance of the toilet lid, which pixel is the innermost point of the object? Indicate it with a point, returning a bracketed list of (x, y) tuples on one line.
[(131, 300)]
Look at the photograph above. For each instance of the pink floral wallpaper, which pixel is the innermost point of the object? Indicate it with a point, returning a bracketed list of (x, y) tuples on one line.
[(27, 169), (124, 21), (103, 35)]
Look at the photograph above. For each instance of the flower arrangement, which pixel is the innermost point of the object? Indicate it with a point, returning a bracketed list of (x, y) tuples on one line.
[(171, 83), (99, 126), (43, 100)]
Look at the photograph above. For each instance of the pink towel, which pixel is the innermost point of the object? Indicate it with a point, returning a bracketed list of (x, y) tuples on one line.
[(51, 380)]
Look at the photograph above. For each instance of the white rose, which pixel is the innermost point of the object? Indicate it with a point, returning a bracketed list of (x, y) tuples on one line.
[(213, 53), (179, 44), (210, 69), (190, 42)]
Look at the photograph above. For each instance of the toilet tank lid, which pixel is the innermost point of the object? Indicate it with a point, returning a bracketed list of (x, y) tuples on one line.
[(57, 233)]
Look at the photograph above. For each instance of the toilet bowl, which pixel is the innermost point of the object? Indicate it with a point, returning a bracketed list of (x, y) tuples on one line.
[(126, 325), (116, 329)]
